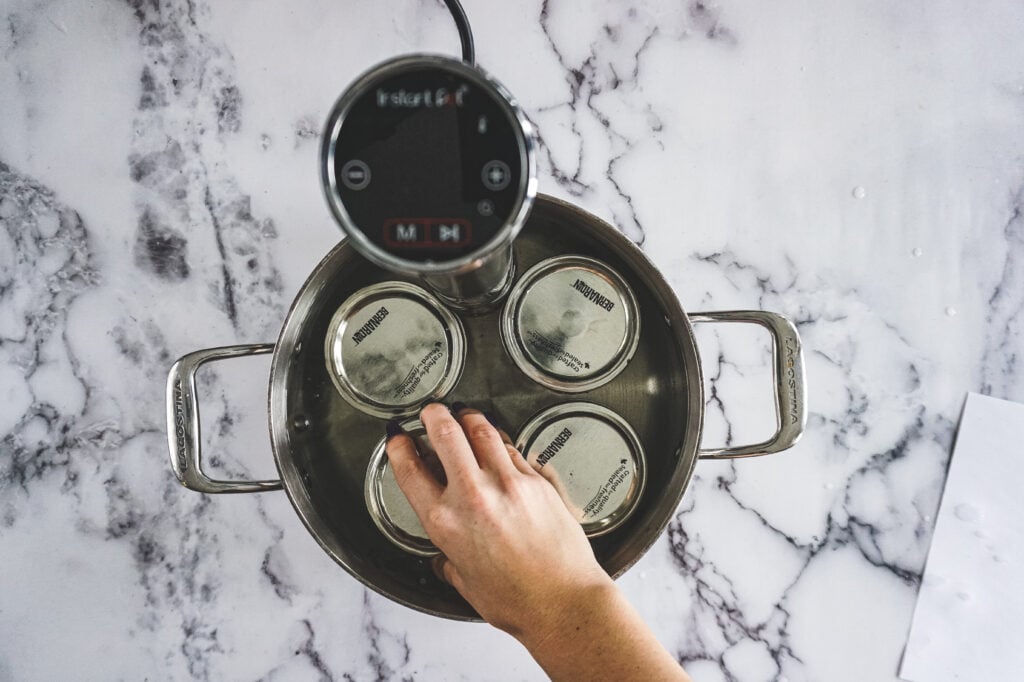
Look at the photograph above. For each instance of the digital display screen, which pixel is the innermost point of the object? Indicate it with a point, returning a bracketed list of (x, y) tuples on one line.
[(428, 164)]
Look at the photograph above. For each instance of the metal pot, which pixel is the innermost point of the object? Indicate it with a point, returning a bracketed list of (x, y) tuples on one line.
[(322, 445)]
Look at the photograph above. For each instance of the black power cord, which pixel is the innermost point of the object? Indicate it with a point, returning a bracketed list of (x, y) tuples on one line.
[(465, 33)]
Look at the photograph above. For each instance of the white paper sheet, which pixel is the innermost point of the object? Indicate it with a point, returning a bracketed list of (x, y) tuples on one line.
[(969, 620)]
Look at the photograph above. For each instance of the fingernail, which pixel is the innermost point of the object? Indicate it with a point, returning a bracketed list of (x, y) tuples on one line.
[(458, 407), (393, 428), (490, 418)]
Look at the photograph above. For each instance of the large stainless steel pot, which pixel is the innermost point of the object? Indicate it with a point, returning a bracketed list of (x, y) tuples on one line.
[(322, 445)]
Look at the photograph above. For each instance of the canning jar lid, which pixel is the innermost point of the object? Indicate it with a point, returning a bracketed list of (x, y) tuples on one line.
[(594, 459), (391, 347), (571, 323), (388, 506)]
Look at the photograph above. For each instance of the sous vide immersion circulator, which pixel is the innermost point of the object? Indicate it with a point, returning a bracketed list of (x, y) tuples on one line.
[(428, 166)]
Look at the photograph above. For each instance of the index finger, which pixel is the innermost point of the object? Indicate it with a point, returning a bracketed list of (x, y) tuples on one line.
[(450, 443), (412, 475)]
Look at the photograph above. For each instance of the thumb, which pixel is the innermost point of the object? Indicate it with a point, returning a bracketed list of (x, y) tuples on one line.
[(446, 572)]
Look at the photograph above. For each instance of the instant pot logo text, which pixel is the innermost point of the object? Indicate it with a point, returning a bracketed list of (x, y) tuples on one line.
[(427, 98), (179, 425), (593, 295), (554, 446), (370, 325), (791, 350)]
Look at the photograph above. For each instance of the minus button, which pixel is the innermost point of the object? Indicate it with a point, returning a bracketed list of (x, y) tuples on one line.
[(355, 175)]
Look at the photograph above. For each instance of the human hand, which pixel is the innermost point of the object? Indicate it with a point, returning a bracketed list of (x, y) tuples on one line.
[(510, 546)]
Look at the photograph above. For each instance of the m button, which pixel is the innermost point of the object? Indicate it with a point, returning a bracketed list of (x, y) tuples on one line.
[(355, 175), (404, 233)]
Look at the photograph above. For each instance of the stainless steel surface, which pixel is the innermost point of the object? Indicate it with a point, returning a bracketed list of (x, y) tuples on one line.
[(592, 457), (183, 428), (389, 508), (322, 445), (476, 291), (391, 347), (571, 323), (474, 281), (789, 380)]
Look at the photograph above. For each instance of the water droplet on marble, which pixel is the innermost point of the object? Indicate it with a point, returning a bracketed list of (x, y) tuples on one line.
[(917, 252), (963, 596), (859, 192), (966, 512), (951, 312), (980, 534)]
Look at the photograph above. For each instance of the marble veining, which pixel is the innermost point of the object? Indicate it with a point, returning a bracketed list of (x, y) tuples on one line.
[(187, 104), (47, 265), (854, 167), (1006, 303)]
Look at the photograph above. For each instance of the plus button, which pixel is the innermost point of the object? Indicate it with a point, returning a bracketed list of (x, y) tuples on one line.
[(496, 175)]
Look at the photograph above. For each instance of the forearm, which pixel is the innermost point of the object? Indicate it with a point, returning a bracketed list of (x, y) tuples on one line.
[(514, 551), (601, 637)]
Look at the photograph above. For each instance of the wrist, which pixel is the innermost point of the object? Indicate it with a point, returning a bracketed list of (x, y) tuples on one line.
[(568, 613), (599, 636)]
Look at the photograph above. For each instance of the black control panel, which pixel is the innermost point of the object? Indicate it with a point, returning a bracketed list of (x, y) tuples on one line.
[(427, 161)]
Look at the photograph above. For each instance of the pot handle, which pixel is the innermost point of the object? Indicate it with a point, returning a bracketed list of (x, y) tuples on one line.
[(183, 422), (790, 389)]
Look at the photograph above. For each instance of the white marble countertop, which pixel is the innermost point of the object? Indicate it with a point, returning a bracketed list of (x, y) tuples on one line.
[(855, 166)]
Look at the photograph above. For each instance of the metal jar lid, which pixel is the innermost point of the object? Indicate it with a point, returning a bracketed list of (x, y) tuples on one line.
[(571, 323), (392, 347), (387, 504), (594, 459)]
